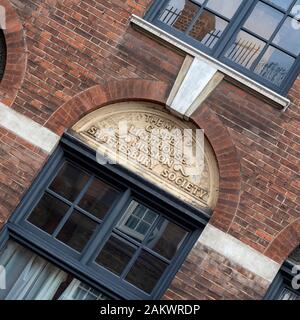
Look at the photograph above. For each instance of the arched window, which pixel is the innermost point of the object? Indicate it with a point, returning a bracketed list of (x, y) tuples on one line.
[(103, 230), (257, 38)]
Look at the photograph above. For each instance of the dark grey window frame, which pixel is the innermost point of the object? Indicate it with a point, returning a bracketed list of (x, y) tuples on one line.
[(70, 148), (227, 40)]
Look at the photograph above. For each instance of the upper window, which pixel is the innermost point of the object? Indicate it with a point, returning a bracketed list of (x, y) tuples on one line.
[(258, 38), (101, 224)]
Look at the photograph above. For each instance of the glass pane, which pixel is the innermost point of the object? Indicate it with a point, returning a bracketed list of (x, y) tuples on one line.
[(225, 8), (208, 29), (77, 231), (166, 239), (296, 10), (98, 199), (69, 182), (179, 14), (48, 213), (146, 272), (274, 66), (137, 220), (288, 36), (245, 50), (115, 255), (263, 20), (284, 4)]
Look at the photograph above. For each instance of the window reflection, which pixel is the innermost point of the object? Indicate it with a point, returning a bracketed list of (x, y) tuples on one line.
[(263, 20), (274, 66), (245, 49)]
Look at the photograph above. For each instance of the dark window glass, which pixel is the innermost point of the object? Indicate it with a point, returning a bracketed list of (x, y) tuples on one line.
[(98, 199), (77, 231), (146, 272), (69, 182), (115, 255), (48, 213), (166, 238)]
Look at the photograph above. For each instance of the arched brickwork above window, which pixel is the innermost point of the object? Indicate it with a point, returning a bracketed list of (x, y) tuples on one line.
[(157, 92), (285, 242), (16, 55), (229, 166)]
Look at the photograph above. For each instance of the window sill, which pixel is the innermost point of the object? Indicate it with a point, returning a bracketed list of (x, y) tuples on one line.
[(231, 75)]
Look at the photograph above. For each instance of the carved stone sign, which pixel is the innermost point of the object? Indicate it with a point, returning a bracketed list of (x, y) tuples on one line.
[(146, 139)]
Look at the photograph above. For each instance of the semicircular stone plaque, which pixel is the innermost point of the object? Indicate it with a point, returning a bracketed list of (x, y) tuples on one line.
[(169, 152)]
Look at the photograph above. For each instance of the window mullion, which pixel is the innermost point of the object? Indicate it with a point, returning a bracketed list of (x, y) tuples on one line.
[(194, 20), (235, 25), (106, 228), (269, 42), (71, 209)]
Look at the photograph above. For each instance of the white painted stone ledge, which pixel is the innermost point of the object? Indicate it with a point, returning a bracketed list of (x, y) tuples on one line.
[(239, 253), (27, 129), (274, 98)]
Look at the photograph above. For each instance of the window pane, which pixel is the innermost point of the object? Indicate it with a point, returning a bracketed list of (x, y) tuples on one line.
[(274, 66), (115, 255), (208, 29), (146, 272), (69, 182), (245, 50), (225, 8), (98, 199), (137, 220), (263, 20), (179, 14), (166, 239), (288, 36), (284, 4), (48, 213), (77, 231), (296, 10)]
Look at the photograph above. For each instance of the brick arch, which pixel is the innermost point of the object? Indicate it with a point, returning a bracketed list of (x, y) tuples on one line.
[(108, 93), (157, 92), (285, 242), (16, 60), (229, 166)]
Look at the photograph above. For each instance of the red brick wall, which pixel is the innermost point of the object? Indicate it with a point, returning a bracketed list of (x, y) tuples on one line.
[(75, 45), (19, 163), (268, 144), (206, 275)]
